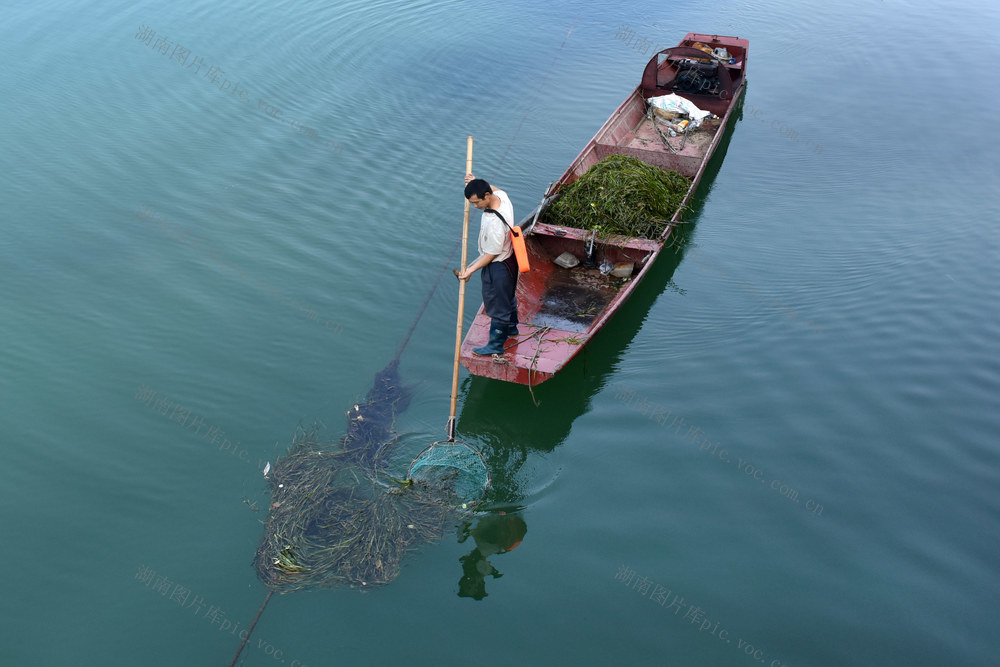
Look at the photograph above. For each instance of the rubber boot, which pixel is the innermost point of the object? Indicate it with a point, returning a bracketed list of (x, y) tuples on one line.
[(495, 344), (508, 326)]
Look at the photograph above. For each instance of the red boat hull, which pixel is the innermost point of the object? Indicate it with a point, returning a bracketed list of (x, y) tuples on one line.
[(561, 309)]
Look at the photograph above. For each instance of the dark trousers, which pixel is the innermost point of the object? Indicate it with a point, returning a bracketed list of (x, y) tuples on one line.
[(499, 300)]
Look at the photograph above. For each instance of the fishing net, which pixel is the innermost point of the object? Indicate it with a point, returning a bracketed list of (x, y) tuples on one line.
[(453, 470), (623, 195)]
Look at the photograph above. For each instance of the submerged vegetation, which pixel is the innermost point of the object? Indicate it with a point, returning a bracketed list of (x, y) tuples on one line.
[(337, 515), (336, 520), (621, 195)]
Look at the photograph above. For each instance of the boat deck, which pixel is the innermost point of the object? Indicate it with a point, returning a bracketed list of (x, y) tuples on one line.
[(558, 309), (631, 132), (694, 145), (573, 299), (531, 358)]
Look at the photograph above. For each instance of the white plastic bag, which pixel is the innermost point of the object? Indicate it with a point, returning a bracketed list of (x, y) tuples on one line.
[(678, 104), (722, 53)]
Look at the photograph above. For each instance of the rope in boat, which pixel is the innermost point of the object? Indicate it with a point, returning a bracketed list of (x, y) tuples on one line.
[(663, 137), (533, 367), (538, 335), (420, 314)]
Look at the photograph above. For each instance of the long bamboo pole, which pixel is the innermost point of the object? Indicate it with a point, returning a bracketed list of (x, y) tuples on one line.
[(461, 302)]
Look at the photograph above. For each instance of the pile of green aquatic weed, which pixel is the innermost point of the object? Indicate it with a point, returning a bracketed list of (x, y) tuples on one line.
[(621, 195)]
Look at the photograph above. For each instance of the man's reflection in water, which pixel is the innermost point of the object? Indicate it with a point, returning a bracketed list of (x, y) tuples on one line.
[(493, 534)]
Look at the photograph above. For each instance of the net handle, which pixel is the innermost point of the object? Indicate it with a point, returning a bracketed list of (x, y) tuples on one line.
[(461, 302)]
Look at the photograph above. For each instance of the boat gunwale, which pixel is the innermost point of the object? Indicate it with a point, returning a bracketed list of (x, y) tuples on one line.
[(652, 246)]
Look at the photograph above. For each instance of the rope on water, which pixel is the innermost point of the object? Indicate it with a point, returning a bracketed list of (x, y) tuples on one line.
[(250, 629), (420, 314)]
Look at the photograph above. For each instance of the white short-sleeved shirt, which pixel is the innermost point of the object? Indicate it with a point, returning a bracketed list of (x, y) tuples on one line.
[(494, 236)]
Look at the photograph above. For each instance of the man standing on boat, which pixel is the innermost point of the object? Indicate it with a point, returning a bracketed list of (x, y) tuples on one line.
[(496, 259)]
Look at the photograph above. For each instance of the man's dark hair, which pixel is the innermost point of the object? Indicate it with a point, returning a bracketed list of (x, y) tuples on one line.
[(478, 187)]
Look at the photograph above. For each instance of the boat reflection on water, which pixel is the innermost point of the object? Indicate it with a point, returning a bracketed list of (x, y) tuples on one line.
[(492, 534), (507, 426)]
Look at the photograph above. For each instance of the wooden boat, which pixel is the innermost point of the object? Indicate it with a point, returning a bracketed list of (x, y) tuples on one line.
[(561, 309)]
